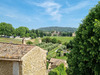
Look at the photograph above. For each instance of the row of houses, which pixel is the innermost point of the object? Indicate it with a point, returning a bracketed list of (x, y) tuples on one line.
[(21, 59), (17, 37)]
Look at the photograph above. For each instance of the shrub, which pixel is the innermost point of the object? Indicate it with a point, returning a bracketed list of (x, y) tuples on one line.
[(60, 70), (29, 43), (54, 40), (59, 41)]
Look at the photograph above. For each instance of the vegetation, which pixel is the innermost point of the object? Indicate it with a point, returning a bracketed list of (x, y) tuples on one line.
[(66, 33), (47, 46), (84, 58), (62, 57), (69, 45), (62, 39), (61, 29), (52, 40), (52, 53), (29, 43), (10, 40), (22, 32), (60, 70), (6, 29)]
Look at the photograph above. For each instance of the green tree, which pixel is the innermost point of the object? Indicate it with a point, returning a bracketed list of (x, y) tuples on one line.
[(54, 40), (84, 58), (22, 31), (29, 43), (6, 29), (47, 40)]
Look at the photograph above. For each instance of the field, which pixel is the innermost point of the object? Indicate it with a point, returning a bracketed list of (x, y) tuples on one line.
[(63, 39), (10, 40)]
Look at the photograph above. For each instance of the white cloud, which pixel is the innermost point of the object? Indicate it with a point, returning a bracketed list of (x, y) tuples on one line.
[(76, 7), (52, 9)]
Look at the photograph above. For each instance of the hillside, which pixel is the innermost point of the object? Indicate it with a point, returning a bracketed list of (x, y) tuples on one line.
[(61, 29)]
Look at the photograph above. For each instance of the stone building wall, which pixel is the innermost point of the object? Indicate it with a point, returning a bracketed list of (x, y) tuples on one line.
[(34, 62), (6, 68)]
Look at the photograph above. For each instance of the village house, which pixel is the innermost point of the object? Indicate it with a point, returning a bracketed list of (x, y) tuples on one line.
[(22, 59), (55, 33), (73, 34), (53, 63)]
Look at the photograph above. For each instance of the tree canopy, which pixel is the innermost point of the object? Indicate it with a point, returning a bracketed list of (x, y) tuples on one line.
[(84, 58), (6, 29), (22, 31)]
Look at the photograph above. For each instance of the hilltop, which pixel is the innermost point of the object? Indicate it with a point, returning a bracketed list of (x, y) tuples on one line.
[(61, 29)]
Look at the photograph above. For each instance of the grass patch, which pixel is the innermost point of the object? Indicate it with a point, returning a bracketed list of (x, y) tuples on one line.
[(10, 40), (36, 41), (63, 57), (62, 39)]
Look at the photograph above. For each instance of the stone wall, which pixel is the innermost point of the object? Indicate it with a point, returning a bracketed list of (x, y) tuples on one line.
[(34, 62), (6, 68)]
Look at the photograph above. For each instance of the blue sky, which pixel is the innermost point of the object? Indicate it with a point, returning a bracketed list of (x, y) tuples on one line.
[(44, 13)]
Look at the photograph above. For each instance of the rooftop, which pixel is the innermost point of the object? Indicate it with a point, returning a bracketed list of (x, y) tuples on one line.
[(58, 61), (13, 51)]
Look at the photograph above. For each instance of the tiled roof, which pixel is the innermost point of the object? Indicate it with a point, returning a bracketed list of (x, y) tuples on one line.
[(58, 61), (13, 51)]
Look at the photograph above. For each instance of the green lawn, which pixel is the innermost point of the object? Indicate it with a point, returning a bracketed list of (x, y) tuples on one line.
[(63, 57), (36, 41), (63, 39), (10, 40)]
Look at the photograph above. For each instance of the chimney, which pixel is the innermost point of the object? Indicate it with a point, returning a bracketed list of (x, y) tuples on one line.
[(23, 41)]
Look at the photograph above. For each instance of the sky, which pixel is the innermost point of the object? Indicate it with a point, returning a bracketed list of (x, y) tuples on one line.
[(45, 13)]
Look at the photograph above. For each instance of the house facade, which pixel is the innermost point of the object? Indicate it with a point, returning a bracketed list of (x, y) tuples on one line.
[(22, 60)]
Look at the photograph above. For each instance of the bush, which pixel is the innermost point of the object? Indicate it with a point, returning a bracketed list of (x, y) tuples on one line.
[(59, 41), (47, 65), (54, 40), (47, 40), (29, 43), (60, 70)]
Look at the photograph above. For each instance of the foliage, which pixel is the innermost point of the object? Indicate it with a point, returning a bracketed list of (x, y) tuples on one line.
[(62, 39), (6, 29), (84, 58), (47, 40), (59, 41), (22, 31), (66, 34), (47, 46), (60, 70), (29, 43), (47, 64), (60, 50), (54, 40), (69, 45)]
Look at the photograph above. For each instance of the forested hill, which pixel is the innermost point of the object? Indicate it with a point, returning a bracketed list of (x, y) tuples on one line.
[(61, 29)]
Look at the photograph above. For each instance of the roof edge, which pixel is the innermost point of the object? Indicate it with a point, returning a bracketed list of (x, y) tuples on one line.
[(5, 59)]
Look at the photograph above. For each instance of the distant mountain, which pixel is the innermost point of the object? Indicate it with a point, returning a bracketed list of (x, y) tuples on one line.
[(61, 29)]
